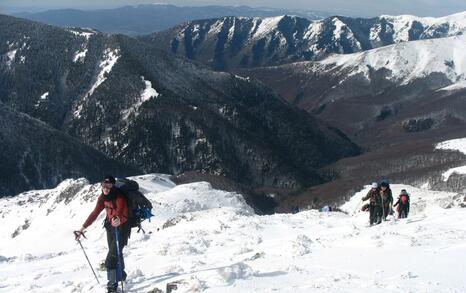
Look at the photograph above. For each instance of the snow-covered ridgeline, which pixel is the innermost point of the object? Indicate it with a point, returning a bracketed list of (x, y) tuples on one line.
[(457, 145), (398, 26), (402, 24), (261, 27), (317, 39), (407, 61), (82, 33), (109, 59), (211, 241)]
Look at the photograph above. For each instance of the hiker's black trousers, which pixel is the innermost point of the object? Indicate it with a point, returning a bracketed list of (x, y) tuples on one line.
[(375, 214), (111, 262), (404, 210)]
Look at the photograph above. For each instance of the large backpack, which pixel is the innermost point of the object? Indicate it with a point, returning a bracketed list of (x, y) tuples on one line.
[(139, 207), (404, 198)]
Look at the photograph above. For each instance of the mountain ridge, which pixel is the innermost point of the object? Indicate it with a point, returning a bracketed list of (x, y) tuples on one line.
[(35, 155), (407, 79), (147, 18), (231, 42), (148, 108)]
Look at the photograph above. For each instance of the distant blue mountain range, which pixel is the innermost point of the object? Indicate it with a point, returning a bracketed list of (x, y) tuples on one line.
[(148, 18)]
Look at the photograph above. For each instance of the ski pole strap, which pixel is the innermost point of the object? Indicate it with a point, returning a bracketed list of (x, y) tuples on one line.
[(78, 234)]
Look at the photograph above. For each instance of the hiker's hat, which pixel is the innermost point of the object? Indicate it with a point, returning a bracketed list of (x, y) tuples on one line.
[(109, 179)]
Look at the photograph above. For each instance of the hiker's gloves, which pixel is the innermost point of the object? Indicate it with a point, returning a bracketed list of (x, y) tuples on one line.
[(79, 233), (116, 221)]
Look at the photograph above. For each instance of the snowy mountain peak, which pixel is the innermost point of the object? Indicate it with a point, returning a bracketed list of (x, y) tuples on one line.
[(406, 26), (266, 25), (459, 17)]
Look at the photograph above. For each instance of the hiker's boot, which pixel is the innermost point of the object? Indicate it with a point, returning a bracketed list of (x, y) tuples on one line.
[(111, 288), (112, 282)]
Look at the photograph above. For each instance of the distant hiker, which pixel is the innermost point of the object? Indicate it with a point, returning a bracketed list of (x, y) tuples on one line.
[(116, 223), (402, 204), (326, 209), (387, 199), (375, 204)]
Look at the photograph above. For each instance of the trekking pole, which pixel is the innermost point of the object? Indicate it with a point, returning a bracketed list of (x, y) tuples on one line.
[(77, 234), (383, 206), (120, 270)]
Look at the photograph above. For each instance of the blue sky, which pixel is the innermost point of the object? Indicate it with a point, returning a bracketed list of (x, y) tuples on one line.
[(348, 7)]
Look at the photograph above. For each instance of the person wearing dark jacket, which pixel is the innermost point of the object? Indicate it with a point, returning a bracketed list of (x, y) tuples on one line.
[(116, 209), (375, 204), (402, 204), (387, 199)]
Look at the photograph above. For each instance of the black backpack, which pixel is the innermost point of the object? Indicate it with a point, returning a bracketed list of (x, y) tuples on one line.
[(139, 207)]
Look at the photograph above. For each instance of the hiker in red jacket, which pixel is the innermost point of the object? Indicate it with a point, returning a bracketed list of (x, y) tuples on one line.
[(116, 208), (402, 204)]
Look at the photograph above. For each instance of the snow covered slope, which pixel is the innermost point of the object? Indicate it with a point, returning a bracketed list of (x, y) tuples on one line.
[(455, 145), (408, 61), (404, 26), (211, 241)]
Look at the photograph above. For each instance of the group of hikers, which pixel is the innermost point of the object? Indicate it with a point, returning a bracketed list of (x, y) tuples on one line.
[(381, 203), (119, 219)]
